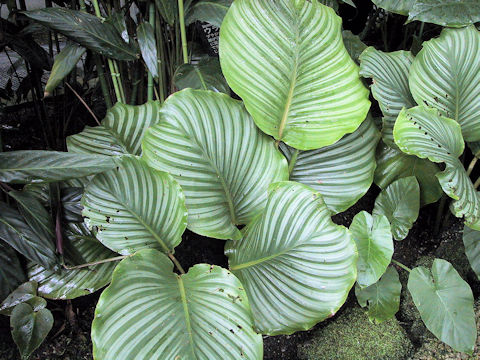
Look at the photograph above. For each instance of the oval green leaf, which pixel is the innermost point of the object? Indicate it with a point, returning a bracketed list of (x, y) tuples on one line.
[(445, 303), (211, 11), (211, 146), (148, 47), (287, 61), (446, 75), (400, 203), (121, 131), (471, 241), (451, 13), (297, 266), (135, 207), (205, 75), (342, 172), (149, 312), (373, 238)]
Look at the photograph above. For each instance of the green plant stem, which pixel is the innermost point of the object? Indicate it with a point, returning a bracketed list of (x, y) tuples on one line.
[(439, 216), (103, 81), (183, 32), (177, 264), (160, 59), (117, 258), (471, 165), (151, 20), (119, 80), (401, 265), (293, 160), (477, 183)]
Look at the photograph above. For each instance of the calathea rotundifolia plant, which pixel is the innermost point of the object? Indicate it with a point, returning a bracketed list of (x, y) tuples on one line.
[(266, 174)]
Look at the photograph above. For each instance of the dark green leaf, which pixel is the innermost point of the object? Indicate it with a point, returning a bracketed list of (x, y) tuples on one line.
[(64, 63), (16, 232), (471, 240), (23, 293), (148, 47), (353, 44), (168, 9), (401, 7), (211, 11), (205, 75), (453, 13), (373, 238), (381, 298), (29, 327), (445, 303), (11, 272), (86, 29), (29, 166), (400, 203)]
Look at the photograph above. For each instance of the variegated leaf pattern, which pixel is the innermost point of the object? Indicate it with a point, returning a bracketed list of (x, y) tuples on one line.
[(296, 265), (151, 313), (287, 61), (121, 131), (223, 162)]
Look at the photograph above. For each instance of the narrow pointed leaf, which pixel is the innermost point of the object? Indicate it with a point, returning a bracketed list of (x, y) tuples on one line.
[(11, 272), (471, 240), (86, 29), (71, 204), (422, 132), (149, 312), (148, 47), (16, 232), (451, 13), (206, 75), (23, 293), (389, 72), (287, 61), (296, 265), (64, 63), (373, 238), (211, 11), (70, 284), (135, 207), (392, 164), (121, 131), (342, 172), (445, 303), (446, 75), (381, 298), (30, 327), (211, 146), (27, 166), (168, 10), (400, 203)]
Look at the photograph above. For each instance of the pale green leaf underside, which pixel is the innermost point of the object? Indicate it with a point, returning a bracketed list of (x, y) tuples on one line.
[(389, 72), (471, 240), (445, 303), (223, 162), (400, 203), (446, 75), (422, 132), (70, 284), (373, 238), (296, 265), (135, 207), (121, 131), (381, 298), (342, 172), (392, 164), (287, 61), (150, 313)]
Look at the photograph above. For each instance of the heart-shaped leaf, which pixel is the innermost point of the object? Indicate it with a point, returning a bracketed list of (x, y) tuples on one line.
[(374, 242), (64, 63), (211, 11), (287, 61), (121, 131), (17, 233), (422, 132), (471, 241), (135, 207), (27, 166), (392, 164), (149, 312), (211, 146), (342, 172), (30, 327), (86, 29), (381, 298), (389, 72), (148, 47), (446, 75), (11, 272), (400, 203), (445, 303), (296, 265), (206, 75), (70, 284)]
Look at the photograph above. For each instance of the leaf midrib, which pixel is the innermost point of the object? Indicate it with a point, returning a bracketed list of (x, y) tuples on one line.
[(186, 312)]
